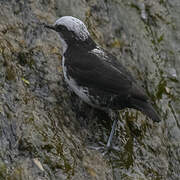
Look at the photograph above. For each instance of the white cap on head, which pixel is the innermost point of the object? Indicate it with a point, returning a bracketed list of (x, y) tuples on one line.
[(75, 25)]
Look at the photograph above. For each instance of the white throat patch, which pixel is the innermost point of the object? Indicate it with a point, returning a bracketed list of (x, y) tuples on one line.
[(75, 25)]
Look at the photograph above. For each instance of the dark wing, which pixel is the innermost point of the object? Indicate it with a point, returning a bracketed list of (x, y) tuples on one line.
[(103, 72)]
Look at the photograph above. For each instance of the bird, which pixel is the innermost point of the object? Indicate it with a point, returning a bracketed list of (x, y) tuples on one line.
[(97, 76)]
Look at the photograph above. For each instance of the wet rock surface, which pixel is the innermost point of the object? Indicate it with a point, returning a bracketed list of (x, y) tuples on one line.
[(46, 131)]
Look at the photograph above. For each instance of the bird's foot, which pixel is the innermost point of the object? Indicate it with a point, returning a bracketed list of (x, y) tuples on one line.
[(104, 148)]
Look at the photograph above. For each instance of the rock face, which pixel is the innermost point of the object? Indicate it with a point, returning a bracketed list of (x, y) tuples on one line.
[(46, 131)]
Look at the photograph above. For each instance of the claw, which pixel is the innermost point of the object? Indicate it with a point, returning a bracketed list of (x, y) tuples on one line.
[(104, 149)]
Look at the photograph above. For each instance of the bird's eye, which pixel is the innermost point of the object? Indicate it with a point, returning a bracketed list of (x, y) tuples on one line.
[(61, 28)]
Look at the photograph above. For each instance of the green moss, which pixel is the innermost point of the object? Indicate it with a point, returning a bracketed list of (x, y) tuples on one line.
[(10, 73), (161, 38), (3, 170), (161, 89), (25, 81), (25, 58)]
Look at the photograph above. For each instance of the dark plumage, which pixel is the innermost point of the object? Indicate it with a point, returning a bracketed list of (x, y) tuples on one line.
[(106, 78), (95, 75)]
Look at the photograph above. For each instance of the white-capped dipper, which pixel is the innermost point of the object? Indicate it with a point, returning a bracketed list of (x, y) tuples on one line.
[(95, 75)]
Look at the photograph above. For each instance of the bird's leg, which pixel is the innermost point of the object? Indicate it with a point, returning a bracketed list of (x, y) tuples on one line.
[(112, 132), (105, 148), (114, 116)]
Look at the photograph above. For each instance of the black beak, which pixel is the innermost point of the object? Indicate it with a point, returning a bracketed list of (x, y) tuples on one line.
[(50, 27)]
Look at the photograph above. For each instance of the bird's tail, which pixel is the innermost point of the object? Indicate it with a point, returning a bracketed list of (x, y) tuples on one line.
[(146, 108)]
